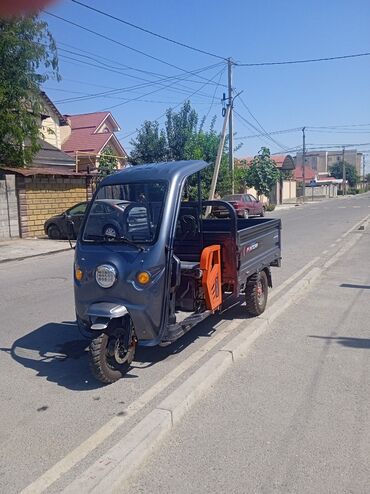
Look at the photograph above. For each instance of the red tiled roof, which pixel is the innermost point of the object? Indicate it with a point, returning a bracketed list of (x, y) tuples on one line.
[(87, 120), (309, 173), (84, 140), (84, 137)]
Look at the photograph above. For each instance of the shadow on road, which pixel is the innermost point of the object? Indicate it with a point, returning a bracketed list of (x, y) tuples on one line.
[(346, 341), (57, 352), (350, 285)]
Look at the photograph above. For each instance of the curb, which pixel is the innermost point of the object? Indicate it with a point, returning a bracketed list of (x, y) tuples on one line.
[(112, 469), (22, 258), (107, 473)]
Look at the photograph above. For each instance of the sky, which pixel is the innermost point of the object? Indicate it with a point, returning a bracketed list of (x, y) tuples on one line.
[(279, 98)]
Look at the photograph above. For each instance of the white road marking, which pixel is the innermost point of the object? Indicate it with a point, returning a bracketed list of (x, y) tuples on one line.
[(325, 252), (342, 207), (356, 207)]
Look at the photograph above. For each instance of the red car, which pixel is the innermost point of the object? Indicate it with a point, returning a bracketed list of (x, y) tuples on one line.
[(245, 205)]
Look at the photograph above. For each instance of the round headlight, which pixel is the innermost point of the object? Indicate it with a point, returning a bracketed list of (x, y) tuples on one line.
[(105, 275)]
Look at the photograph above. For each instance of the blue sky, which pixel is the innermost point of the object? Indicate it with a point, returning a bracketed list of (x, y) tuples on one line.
[(280, 97)]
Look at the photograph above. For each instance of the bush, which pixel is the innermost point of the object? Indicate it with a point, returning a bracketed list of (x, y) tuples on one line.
[(270, 207)]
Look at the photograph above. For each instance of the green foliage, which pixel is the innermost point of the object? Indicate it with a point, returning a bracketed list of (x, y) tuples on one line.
[(108, 162), (351, 174), (28, 58), (263, 174), (270, 207), (180, 129), (150, 145), (183, 139)]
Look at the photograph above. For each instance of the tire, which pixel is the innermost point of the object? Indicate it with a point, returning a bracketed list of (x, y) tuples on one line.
[(256, 294), (263, 212), (110, 231), (54, 233), (246, 214), (103, 362)]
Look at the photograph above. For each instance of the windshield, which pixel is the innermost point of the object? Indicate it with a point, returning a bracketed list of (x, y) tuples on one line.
[(128, 213)]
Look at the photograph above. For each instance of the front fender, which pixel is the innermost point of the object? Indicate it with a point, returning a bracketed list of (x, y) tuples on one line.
[(101, 313)]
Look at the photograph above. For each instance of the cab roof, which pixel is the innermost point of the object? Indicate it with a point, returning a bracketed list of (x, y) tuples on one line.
[(168, 170)]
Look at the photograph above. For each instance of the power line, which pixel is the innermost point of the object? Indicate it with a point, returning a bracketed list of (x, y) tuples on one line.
[(163, 114), (100, 35), (309, 60), (339, 126), (94, 57), (214, 94), (138, 86), (260, 125), (160, 89), (152, 33), (263, 136), (274, 132)]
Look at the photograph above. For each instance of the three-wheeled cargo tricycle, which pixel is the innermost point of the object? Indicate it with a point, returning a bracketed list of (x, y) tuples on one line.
[(151, 262)]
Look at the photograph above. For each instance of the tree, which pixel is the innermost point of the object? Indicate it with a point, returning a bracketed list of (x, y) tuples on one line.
[(154, 145), (351, 174), (180, 128), (263, 174), (28, 58), (108, 162), (150, 145)]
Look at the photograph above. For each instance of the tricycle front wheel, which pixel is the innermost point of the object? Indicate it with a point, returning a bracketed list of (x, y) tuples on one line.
[(256, 293), (109, 359)]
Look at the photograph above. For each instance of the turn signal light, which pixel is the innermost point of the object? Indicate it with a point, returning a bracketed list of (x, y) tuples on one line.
[(78, 274), (143, 277)]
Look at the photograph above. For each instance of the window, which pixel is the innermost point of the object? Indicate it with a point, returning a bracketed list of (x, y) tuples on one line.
[(252, 198), (79, 209), (128, 211)]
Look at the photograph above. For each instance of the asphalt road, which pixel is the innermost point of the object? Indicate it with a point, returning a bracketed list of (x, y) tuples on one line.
[(50, 403), (291, 417)]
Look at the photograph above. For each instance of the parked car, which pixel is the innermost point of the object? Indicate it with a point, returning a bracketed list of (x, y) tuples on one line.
[(245, 205), (112, 217), (59, 226)]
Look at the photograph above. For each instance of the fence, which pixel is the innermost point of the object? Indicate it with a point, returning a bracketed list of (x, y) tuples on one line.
[(9, 222)]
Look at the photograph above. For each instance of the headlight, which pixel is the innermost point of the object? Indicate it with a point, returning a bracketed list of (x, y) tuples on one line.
[(105, 275)]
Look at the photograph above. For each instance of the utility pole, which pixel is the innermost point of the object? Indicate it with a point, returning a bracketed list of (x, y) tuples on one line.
[(363, 172), (231, 130), (218, 160), (304, 164), (343, 171)]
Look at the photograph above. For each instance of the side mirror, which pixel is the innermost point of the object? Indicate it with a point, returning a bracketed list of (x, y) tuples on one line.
[(71, 232)]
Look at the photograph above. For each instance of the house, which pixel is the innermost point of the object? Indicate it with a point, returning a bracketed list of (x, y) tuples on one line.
[(70, 146), (285, 190), (88, 136), (317, 184), (321, 161)]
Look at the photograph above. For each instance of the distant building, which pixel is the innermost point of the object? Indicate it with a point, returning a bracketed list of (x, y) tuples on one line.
[(321, 161)]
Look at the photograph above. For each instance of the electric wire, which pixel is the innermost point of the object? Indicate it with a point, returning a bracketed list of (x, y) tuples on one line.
[(165, 113), (262, 136), (140, 86), (308, 60), (152, 33), (282, 146), (107, 38)]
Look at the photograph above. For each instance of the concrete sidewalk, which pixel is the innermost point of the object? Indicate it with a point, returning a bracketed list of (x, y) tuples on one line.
[(293, 415), (15, 250)]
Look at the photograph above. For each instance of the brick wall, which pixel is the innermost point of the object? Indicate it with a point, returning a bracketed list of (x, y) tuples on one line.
[(43, 196)]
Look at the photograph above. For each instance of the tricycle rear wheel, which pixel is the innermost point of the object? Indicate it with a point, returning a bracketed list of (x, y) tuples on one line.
[(256, 293), (109, 359)]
